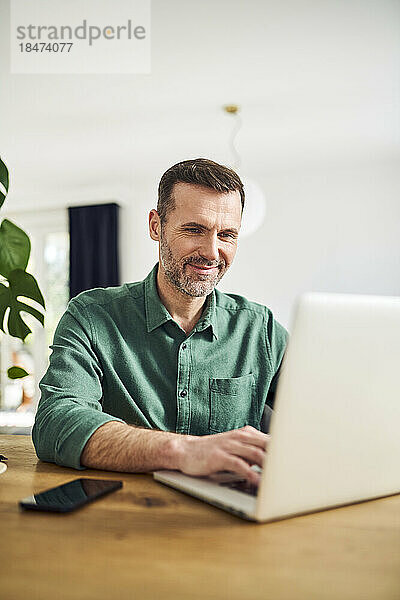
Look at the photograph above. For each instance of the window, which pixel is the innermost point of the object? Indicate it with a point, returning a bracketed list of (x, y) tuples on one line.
[(48, 232)]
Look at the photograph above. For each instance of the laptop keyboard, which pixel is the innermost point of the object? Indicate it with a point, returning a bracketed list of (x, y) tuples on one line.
[(242, 486), (235, 482)]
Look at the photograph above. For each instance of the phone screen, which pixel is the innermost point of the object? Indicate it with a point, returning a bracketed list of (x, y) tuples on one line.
[(71, 495)]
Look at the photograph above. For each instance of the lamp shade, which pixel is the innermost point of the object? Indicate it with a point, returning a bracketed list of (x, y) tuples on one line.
[(254, 207)]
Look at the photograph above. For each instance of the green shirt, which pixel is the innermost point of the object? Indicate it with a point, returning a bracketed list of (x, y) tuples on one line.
[(119, 355)]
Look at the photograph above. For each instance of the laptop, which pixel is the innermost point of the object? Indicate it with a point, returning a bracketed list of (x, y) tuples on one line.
[(335, 428)]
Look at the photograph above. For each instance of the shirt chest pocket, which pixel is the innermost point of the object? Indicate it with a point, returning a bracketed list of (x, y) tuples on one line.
[(233, 403)]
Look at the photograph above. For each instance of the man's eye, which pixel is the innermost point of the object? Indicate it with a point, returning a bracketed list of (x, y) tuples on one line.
[(228, 235), (192, 230)]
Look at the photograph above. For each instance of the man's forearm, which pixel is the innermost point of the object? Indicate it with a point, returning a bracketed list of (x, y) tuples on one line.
[(116, 446)]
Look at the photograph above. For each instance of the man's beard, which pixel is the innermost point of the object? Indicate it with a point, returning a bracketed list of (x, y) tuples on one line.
[(187, 283)]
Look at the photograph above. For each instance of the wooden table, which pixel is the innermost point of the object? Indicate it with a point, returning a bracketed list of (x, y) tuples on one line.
[(147, 541)]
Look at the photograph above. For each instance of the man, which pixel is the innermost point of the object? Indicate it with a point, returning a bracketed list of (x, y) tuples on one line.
[(167, 373)]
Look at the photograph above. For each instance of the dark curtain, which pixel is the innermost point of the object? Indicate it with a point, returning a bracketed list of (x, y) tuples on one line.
[(93, 252)]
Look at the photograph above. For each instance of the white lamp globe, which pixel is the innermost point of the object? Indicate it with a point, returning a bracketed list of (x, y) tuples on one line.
[(254, 207)]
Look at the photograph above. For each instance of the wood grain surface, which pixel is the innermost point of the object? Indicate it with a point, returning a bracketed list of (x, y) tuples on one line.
[(147, 541)]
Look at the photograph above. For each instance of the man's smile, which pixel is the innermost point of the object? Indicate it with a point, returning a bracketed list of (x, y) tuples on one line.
[(203, 270)]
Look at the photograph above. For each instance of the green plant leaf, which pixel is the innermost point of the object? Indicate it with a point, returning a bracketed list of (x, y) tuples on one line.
[(15, 248), (21, 283), (24, 284), (16, 373), (4, 181)]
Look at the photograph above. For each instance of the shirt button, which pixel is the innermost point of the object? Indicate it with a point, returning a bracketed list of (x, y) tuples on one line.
[(183, 393), (183, 346)]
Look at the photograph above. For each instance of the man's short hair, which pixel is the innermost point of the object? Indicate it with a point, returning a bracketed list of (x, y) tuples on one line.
[(198, 171)]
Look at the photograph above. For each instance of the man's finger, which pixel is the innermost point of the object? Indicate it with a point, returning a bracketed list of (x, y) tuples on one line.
[(239, 466), (254, 455), (252, 436)]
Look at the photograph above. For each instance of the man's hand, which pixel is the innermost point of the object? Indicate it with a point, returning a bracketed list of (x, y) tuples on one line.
[(232, 451)]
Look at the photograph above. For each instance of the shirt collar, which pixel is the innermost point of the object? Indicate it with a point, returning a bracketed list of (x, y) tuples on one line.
[(208, 317), (157, 314)]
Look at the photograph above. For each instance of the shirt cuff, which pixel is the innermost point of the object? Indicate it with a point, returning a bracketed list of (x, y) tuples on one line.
[(70, 447)]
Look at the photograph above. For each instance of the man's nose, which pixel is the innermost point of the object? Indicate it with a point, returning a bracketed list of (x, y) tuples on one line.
[(209, 247)]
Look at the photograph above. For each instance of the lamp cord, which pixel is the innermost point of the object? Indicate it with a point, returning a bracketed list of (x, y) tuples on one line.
[(236, 128)]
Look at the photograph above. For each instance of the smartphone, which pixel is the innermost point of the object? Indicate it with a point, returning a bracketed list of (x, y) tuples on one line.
[(71, 495)]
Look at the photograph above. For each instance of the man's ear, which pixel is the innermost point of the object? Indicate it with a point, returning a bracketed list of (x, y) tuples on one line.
[(154, 225)]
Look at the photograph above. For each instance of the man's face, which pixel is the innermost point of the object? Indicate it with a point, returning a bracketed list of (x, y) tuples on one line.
[(198, 241)]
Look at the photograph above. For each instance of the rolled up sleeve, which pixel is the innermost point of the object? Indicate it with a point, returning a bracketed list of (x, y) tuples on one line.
[(70, 408)]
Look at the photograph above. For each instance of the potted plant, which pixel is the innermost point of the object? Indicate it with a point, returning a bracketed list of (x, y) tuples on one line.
[(16, 284)]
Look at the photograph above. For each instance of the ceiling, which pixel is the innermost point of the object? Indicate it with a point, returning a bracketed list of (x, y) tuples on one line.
[(317, 82)]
